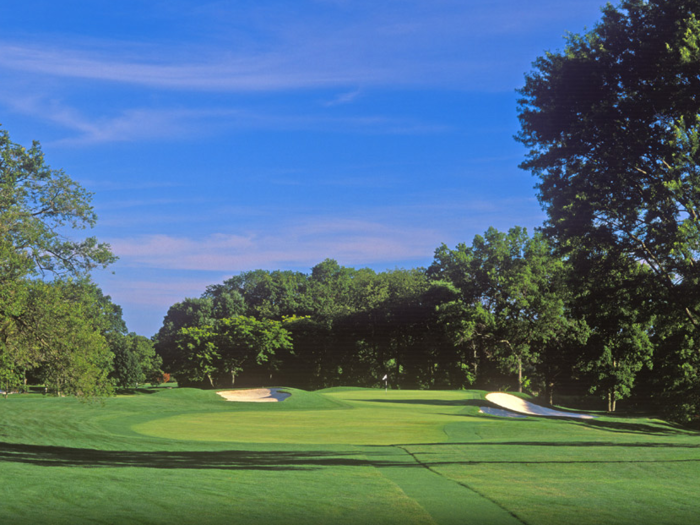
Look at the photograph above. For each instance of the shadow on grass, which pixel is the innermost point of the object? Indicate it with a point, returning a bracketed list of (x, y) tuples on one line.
[(135, 391), (465, 454), (52, 456), (632, 427), (431, 402), (615, 426), (555, 444)]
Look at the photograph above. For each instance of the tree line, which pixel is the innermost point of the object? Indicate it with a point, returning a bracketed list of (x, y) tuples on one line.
[(505, 312)]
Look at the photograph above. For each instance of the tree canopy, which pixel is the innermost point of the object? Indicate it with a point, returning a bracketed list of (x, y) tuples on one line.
[(50, 313), (612, 123)]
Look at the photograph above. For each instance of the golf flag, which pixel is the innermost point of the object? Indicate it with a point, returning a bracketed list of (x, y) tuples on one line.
[(385, 377)]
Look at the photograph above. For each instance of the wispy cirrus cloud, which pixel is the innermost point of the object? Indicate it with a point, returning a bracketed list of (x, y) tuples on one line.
[(124, 125), (441, 44), (276, 46), (343, 98), (136, 124)]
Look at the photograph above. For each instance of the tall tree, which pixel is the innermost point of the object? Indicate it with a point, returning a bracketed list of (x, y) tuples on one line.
[(135, 360), (228, 346), (60, 331), (37, 203), (189, 313), (47, 324), (615, 296), (271, 295), (612, 124), (512, 297)]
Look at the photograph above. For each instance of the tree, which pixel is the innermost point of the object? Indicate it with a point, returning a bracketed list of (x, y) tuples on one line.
[(190, 313), (135, 360), (37, 203), (48, 327), (227, 346), (195, 355), (615, 297), (512, 294), (127, 370), (612, 124), (272, 295), (245, 340), (62, 339), (676, 374), (144, 351)]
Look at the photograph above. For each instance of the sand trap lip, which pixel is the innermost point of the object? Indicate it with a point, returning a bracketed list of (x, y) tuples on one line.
[(255, 395), (516, 404), (499, 412)]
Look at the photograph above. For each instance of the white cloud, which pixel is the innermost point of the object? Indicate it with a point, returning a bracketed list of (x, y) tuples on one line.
[(352, 242), (343, 98), (137, 124), (152, 293), (284, 46)]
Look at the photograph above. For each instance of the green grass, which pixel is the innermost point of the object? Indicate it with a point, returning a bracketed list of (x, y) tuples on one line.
[(335, 456)]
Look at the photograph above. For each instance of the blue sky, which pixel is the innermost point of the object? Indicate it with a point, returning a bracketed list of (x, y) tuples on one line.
[(225, 136)]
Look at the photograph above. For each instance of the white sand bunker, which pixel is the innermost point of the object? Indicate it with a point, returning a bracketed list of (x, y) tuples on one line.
[(516, 404), (255, 395)]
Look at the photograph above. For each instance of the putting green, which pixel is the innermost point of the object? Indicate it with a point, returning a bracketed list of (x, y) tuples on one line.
[(370, 418), (361, 426)]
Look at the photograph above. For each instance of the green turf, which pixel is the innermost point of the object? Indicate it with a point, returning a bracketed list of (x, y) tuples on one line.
[(334, 456)]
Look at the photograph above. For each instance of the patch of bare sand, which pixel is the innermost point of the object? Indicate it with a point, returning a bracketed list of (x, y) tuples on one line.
[(516, 404), (255, 395)]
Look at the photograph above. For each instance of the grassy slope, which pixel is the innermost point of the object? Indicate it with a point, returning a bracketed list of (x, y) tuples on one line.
[(341, 456)]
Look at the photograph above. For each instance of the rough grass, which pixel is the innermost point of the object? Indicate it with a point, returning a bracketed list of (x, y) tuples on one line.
[(335, 456)]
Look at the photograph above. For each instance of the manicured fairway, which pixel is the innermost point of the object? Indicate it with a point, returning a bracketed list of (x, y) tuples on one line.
[(335, 456)]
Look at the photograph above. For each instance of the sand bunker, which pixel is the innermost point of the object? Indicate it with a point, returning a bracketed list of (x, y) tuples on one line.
[(516, 404), (255, 395)]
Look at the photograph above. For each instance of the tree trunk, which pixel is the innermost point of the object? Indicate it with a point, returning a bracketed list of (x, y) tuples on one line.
[(612, 401), (233, 378), (520, 374), (210, 380), (550, 393)]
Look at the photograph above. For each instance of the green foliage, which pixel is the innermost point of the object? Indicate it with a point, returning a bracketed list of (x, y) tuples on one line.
[(613, 132), (612, 126), (262, 294), (127, 370), (135, 360), (62, 340), (36, 204), (186, 314), (510, 303), (615, 297), (53, 330), (227, 346)]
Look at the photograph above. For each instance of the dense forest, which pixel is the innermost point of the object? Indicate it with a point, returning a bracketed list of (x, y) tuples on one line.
[(603, 299)]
